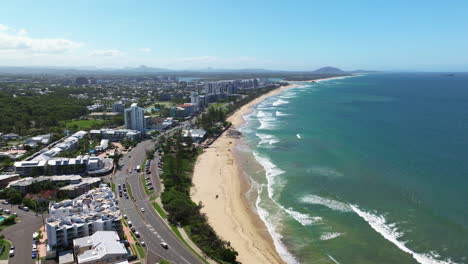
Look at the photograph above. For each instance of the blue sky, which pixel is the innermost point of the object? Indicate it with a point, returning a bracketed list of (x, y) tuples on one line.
[(287, 35)]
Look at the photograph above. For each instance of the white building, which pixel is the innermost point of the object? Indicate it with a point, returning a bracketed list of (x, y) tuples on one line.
[(135, 118), (194, 98), (101, 247), (83, 216)]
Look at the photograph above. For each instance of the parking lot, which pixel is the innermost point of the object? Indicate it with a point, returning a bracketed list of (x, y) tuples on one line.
[(21, 234)]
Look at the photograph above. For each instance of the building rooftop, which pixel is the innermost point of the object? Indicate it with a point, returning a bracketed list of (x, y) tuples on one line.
[(101, 243), (95, 205)]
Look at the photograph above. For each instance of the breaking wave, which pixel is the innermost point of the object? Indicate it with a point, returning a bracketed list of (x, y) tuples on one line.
[(390, 232), (332, 204), (329, 235), (280, 102)]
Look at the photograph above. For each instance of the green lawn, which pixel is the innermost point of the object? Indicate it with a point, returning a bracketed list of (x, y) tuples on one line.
[(5, 249), (83, 124)]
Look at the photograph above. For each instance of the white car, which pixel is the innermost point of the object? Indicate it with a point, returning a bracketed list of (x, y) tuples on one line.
[(12, 252), (142, 209), (34, 246), (164, 245), (125, 216), (137, 234), (130, 223)]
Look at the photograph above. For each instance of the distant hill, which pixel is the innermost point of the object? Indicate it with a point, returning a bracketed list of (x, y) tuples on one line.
[(328, 70)]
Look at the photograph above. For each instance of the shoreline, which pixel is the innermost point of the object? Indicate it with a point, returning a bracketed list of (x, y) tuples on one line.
[(234, 218)]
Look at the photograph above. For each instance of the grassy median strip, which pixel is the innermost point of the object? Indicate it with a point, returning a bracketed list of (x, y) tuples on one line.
[(176, 231), (139, 248), (5, 249), (160, 211)]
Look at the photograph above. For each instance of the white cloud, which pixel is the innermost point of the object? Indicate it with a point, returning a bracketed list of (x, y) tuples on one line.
[(106, 53), (145, 50), (12, 40), (3, 27)]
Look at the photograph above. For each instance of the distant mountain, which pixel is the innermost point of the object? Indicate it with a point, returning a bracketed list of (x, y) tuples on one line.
[(144, 68), (215, 70), (328, 70)]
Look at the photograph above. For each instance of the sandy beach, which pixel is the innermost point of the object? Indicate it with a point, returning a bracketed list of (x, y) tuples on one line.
[(217, 173)]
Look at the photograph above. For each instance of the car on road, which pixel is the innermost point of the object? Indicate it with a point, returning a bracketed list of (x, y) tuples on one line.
[(25, 208), (164, 245), (137, 234), (142, 210), (12, 253)]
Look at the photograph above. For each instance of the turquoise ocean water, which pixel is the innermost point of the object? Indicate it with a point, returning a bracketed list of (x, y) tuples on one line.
[(366, 169)]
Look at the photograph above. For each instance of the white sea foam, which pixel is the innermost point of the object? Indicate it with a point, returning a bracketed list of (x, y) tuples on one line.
[(278, 113), (332, 204), (302, 218), (390, 232), (266, 139), (334, 260), (298, 136), (271, 173), (267, 123), (324, 171), (280, 247), (280, 102), (330, 235), (261, 114)]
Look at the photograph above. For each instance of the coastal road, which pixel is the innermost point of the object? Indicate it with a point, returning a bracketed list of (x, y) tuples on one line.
[(21, 234), (149, 224)]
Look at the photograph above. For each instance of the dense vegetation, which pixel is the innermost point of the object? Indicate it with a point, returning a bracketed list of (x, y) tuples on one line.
[(38, 113), (177, 175), (213, 120)]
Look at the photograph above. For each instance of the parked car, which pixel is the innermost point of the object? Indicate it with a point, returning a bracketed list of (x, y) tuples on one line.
[(130, 223), (12, 252), (143, 244), (133, 229), (137, 234), (34, 255), (7, 211), (125, 216), (4, 202), (142, 210), (25, 208)]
